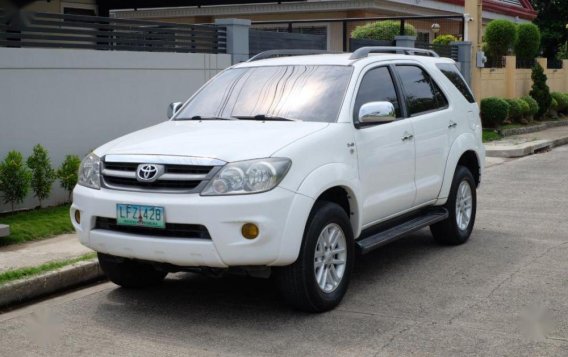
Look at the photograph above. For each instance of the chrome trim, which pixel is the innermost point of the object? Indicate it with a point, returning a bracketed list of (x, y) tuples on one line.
[(121, 174), (182, 177), (164, 159)]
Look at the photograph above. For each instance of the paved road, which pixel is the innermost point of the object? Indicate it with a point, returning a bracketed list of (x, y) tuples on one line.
[(503, 293)]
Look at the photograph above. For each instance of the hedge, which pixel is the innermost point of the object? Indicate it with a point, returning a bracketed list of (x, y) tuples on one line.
[(533, 105), (515, 109), (494, 111), (562, 100), (500, 37), (528, 41), (444, 40), (382, 30)]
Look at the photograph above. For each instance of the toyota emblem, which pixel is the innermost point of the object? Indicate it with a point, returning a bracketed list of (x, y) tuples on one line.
[(149, 172)]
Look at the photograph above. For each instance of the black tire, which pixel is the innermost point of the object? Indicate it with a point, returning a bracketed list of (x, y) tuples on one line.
[(297, 282), (130, 273), (448, 232)]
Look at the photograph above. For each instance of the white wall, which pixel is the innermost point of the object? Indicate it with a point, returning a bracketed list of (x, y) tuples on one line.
[(72, 101)]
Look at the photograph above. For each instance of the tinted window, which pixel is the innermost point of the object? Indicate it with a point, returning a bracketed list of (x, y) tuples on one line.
[(377, 86), (308, 93), (422, 94), (454, 75)]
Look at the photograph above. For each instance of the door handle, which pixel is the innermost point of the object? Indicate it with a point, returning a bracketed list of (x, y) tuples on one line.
[(453, 124), (407, 136)]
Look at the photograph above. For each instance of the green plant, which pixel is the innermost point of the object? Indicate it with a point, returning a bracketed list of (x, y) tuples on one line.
[(533, 105), (68, 173), (515, 110), (445, 40), (528, 41), (43, 174), (540, 91), (525, 108), (14, 178), (562, 53), (382, 30), (500, 37), (561, 100), (494, 111)]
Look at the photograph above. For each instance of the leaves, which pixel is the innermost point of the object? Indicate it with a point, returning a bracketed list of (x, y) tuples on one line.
[(15, 179), (68, 172), (43, 174)]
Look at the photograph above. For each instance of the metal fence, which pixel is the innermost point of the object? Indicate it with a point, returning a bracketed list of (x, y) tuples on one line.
[(554, 63), (260, 41), (32, 29), (425, 28), (523, 63), (448, 51)]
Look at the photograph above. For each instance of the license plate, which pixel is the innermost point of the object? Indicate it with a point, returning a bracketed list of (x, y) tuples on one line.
[(142, 216)]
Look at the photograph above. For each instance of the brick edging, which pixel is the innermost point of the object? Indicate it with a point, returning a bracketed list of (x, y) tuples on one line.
[(533, 128)]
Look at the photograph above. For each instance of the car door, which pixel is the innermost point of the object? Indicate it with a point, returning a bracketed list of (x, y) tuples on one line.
[(385, 151), (432, 120)]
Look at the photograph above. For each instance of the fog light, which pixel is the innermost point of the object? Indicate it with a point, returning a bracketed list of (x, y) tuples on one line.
[(78, 217), (250, 230)]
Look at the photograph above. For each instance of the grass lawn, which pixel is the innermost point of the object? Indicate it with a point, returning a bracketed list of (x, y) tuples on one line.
[(22, 273), (490, 135), (36, 224)]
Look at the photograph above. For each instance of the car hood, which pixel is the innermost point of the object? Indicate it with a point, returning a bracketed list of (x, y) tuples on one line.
[(227, 140)]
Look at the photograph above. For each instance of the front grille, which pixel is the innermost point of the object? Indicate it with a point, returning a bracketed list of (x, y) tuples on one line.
[(177, 177), (172, 230)]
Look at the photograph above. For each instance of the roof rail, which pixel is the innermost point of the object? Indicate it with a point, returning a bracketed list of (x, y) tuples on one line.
[(284, 53), (364, 51)]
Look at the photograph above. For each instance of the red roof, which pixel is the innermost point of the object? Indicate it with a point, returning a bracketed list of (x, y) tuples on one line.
[(520, 8)]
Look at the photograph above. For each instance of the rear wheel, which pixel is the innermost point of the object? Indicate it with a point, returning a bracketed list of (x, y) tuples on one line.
[(461, 205), (130, 273), (318, 280)]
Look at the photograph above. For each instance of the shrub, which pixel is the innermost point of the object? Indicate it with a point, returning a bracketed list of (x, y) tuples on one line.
[(515, 110), (14, 178), (382, 30), (444, 40), (43, 174), (540, 91), (562, 53), (494, 111), (533, 105), (561, 100), (68, 173), (525, 108), (500, 37), (528, 41)]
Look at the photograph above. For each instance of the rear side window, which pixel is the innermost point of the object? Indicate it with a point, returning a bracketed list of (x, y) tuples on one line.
[(377, 86), (422, 94), (454, 75)]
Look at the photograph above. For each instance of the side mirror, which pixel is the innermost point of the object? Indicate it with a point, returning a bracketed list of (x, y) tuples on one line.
[(173, 109), (377, 112)]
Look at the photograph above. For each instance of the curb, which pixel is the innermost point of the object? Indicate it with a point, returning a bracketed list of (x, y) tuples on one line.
[(533, 128), (515, 151), (66, 277)]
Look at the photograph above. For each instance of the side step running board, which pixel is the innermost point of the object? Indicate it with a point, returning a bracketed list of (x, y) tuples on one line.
[(381, 238)]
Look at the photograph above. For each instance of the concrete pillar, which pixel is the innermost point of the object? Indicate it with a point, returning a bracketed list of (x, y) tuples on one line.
[(565, 70), (237, 38), (474, 11), (405, 41), (543, 62), (464, 59), (510, 76)]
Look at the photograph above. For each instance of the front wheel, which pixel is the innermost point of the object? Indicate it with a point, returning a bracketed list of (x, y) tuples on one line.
[(461, 205), (318, 280)]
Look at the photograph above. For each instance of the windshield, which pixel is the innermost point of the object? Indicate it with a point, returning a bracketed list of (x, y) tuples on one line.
[(308, 93)]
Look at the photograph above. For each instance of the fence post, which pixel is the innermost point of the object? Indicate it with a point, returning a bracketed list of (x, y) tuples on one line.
[(464, 58), (237, 38), (510, 76), (565, 70), (543, 61), (405, 41)]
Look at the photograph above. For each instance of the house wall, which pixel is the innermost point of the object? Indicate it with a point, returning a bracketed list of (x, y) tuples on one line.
[(72, 101), (56, 6)]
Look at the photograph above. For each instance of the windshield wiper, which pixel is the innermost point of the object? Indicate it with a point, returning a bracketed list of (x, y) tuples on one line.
[(263, 117), (199, 117)]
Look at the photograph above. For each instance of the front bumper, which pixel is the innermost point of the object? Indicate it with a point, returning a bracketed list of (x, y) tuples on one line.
[(280, 214)]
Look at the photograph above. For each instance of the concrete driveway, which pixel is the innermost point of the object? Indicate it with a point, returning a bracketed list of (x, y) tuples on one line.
[(503, 293)]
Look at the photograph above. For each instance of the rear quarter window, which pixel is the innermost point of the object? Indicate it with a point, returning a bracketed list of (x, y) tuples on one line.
[(454, 75)]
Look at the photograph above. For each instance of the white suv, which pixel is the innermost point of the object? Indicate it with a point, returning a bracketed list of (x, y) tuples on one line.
[(288, 166)]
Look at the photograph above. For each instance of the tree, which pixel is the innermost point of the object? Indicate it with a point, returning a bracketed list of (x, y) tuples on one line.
[(68, 173), (540, 90), (43, 174), (500, 37), (552, 19), (382, 30), (528, 41), (14, 178)]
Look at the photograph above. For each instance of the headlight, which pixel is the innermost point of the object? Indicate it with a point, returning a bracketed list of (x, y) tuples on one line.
[(90, 172), (244, 177)]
